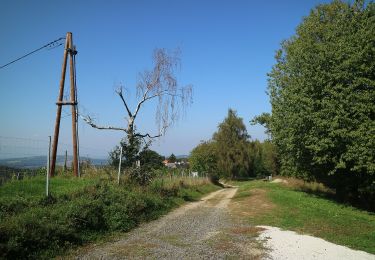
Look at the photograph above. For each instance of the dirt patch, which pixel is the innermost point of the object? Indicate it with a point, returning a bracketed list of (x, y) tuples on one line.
[(255, 204), (279, 181)]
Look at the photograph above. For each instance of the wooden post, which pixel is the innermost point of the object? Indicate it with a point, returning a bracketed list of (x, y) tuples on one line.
[(66, 160), (59, 107), (69, 48), (73, 100), (48, 165), (119, 166)]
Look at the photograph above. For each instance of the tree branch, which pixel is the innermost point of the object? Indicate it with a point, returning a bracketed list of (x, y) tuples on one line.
[(147, 135), (145, 98), (89, 121), (119, 92)]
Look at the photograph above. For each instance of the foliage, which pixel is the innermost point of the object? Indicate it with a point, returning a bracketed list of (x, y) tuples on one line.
[(140, 175), (302, 212), (322, 94), (150, 159), (264, 158), (231, 154), (204, 159), (131, 148), (232, 141), (172, 158), (80, 210)]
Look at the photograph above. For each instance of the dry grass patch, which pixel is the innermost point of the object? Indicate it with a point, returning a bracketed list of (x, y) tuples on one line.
[(256, 203), (306, 186), (251, 230)]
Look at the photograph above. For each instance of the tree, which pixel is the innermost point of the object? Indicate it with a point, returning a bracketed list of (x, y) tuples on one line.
[(322, 92), (172, 158), (264, 158), (131, 146), (204, 159), (151, 159), (232, 143), (158, 84)]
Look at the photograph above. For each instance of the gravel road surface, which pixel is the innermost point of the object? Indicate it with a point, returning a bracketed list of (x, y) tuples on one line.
[(198, 230)]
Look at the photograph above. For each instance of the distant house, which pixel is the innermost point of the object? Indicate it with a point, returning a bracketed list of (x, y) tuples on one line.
[(165, 162), (171, 165)]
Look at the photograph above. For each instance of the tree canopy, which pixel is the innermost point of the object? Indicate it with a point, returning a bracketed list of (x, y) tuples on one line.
[(203, 158), (172, 158), (322, 95), (232, 141)]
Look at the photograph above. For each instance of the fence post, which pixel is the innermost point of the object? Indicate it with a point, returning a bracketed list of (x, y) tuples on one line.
[(48, 165), (119, 166)]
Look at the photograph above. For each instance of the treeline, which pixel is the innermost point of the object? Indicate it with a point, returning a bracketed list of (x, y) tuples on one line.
[(323, 100), (231, 154)]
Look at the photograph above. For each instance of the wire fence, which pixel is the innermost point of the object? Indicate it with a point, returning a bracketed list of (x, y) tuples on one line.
[(25, 156)]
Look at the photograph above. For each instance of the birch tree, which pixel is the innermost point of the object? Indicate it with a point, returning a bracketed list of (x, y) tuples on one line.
[(158, 84)]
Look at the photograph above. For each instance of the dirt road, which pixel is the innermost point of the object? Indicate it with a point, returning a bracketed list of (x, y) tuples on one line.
[(198, 230)]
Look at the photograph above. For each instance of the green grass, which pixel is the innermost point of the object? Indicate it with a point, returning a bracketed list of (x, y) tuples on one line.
[(310, 214), (33, 226), (35, 187)]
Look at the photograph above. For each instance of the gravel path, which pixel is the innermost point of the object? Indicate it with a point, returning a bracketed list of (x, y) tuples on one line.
[(198, 230), (285, 244)]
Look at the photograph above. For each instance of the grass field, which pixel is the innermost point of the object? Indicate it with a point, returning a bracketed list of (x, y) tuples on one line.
[(35, 187), (81, 210), (276, 204)]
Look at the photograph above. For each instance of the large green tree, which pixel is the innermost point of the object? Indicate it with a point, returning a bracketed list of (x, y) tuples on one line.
[(322, 94), (150, 159), (232, 146), (204, 159)]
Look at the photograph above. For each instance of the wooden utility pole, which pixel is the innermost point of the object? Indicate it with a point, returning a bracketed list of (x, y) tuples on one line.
[(69, 49)]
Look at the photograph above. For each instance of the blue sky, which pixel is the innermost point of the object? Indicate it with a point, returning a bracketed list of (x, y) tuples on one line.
[(227, 49)]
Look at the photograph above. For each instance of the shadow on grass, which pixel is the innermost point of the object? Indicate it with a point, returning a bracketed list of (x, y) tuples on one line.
[(320, 190)]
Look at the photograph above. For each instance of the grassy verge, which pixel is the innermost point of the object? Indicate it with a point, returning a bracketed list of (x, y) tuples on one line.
[(279, 205), (81, 210)]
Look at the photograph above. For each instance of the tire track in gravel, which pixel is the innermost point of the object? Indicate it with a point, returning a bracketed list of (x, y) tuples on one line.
[(197, 230)]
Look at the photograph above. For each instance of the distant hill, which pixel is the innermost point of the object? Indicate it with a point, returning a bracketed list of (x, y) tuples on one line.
[(183, 156), (41, 161)]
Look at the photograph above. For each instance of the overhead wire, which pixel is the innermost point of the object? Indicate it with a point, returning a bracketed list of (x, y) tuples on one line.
[(51, 45)]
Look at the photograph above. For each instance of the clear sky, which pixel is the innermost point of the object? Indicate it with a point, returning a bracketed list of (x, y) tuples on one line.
[(227, 49)]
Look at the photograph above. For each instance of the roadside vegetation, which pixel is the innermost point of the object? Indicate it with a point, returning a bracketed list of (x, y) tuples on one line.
[(305, 208), (322, 93), (82, 210), (231, 154), (321, 125)]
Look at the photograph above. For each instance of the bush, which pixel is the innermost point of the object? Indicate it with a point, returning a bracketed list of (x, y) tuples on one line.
[(86, 214), (140, 175)]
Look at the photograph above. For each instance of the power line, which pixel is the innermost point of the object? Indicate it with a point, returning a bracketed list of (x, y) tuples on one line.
[(52, 45)]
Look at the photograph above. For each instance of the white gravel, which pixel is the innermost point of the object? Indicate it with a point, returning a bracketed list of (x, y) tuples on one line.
[(290, 245)]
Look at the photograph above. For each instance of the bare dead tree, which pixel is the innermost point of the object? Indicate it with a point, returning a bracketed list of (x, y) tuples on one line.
[(159, 84)]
